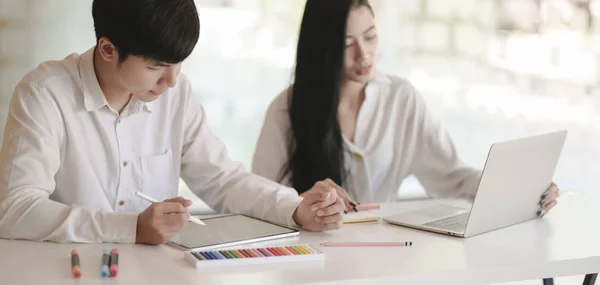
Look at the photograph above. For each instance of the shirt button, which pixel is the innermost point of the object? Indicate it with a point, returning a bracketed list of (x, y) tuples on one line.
[(125, 163), (121, 203), (357, 156), (118, 121)]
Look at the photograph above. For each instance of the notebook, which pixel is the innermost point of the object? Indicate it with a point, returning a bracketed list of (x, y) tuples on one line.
[(361, 217)]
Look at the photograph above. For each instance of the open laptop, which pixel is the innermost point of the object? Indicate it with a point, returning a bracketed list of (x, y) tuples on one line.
[(515, 175)]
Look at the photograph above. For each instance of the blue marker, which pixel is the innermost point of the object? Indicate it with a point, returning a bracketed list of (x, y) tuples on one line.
[(104, 273)]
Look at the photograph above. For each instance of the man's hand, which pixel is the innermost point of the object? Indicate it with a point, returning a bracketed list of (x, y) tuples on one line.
[(321, 209), (161, 221)]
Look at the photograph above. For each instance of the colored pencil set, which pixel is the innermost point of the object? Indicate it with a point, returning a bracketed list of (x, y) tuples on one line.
[(241, 256)]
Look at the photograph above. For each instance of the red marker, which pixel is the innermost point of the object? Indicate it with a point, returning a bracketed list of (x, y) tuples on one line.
[(75, 266), (114, 263)]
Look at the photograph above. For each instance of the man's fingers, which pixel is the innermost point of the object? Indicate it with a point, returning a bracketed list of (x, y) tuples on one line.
[(183, 201), (171, 207), (176, 221)]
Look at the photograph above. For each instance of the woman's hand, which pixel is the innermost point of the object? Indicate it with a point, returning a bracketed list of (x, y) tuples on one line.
[(548, 200)]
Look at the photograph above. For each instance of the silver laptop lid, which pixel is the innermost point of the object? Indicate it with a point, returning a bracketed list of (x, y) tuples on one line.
[(515, 175)]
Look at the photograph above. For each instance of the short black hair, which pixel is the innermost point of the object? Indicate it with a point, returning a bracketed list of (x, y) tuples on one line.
[(161, 30)]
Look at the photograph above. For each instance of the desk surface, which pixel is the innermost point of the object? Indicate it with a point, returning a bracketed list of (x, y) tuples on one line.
[(565, 242)]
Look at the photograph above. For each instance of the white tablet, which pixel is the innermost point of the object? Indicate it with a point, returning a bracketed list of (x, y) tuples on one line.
[(228, 230)]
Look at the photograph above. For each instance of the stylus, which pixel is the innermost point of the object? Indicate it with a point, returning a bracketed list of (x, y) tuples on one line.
[(152, 200)]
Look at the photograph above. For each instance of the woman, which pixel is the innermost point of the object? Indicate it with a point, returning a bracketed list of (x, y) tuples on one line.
[(343, 120)]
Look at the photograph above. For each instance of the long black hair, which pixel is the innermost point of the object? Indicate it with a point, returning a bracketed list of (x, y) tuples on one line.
[(315, 143)]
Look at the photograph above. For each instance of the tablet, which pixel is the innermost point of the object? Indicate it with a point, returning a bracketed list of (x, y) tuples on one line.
[(228, 230)]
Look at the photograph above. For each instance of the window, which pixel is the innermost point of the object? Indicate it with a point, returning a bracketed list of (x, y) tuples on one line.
[(492, 70)]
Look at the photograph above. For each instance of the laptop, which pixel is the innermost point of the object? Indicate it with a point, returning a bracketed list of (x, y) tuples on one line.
[(515, 175)]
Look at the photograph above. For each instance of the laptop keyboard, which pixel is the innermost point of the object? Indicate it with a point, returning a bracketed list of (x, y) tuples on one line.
[(456, 223)]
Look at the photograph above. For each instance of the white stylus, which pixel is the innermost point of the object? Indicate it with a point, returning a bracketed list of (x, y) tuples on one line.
[(152, 200)]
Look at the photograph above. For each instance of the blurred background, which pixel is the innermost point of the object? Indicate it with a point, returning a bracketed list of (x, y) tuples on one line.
[(492, 70)]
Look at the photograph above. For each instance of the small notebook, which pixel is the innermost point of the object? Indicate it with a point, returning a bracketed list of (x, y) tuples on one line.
[(246, 256), (360, 217)]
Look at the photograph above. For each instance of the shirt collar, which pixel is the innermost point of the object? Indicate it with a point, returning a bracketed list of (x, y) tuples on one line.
[(373, 87), (138, 106), (93, 97), (148, 106)]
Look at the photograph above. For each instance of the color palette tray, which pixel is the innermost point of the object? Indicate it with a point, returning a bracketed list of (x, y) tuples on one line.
[(262, 255)]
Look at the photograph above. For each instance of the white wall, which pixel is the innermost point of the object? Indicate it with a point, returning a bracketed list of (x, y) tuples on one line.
[(484, 84)]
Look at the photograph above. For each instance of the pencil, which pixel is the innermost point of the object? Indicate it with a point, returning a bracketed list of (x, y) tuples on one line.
[(405, 243), (367, 207)]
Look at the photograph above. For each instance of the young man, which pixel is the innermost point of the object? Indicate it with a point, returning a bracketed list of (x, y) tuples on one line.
[(85, 133)]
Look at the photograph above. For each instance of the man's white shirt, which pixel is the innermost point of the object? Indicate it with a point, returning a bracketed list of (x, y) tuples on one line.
[(70, 165)]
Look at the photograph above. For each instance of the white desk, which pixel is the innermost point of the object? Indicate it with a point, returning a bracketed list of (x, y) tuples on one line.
[(566, 242)]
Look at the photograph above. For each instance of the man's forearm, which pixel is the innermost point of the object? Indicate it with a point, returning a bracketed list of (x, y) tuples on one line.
[(35, 217)]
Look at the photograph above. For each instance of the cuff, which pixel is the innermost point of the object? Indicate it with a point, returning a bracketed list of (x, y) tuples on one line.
[(286, 210), (119, 227)]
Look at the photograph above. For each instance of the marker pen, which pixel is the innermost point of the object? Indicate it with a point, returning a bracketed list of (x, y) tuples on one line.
[(75, 265), (105, 262), (114, 263)]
